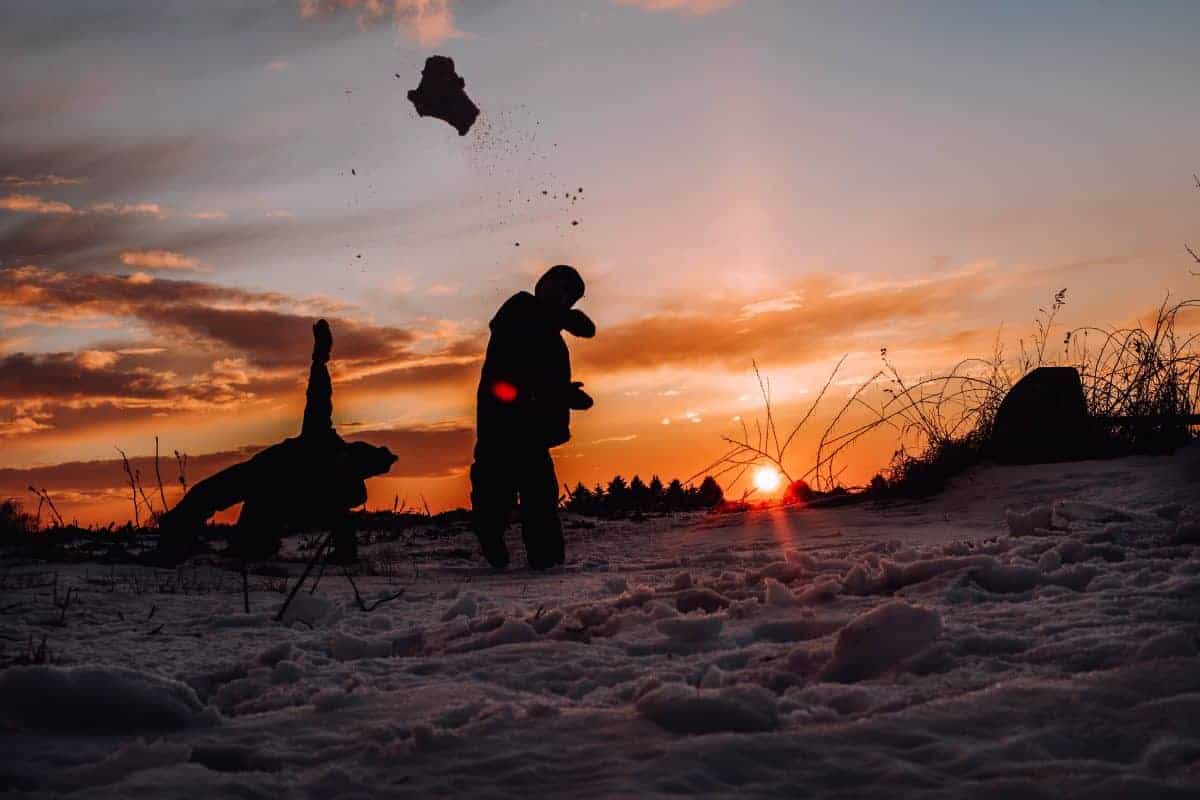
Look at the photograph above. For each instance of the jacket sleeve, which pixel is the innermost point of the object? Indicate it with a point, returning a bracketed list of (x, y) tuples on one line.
[(577, 323)]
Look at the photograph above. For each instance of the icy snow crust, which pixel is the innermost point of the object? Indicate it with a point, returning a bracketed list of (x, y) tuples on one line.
[(943, 649)]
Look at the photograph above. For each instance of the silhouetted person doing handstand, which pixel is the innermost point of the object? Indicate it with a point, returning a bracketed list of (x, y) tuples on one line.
[(524, 407), (309, 481)]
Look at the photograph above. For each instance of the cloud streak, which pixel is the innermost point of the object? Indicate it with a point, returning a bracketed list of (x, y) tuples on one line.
[(159, 260), (426, 22), (697, 7), (822, 316)]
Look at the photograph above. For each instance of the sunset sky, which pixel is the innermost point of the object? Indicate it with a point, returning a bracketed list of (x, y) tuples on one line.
[(185, 187)]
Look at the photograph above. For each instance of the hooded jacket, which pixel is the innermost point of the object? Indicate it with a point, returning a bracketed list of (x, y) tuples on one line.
[(525, 392)]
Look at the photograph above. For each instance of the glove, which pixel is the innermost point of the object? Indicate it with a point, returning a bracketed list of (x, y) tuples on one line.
[(322, 341), (579, 400)]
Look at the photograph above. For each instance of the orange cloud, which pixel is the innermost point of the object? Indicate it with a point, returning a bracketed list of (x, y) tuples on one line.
[(426, 22), (686, 6), (158, 259), (30, 204), (812, 321), (126, 209), (47, 179)]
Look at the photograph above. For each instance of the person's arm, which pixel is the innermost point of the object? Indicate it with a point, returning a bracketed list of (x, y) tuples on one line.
[(318, 406), (577, 323)]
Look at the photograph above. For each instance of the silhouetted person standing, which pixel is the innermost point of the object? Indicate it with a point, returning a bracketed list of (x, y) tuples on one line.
[(524, 407), (309, 481)]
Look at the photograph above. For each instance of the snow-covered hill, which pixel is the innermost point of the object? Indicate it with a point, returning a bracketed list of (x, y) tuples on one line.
[(920, 650)]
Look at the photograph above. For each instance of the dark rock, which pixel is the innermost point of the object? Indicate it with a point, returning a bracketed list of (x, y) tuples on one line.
[(441, 95), (1043, 419)]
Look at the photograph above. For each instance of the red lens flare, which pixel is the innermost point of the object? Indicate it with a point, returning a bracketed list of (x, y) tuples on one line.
[(504, 391)]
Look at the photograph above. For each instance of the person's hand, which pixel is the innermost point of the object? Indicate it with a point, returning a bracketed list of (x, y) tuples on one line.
[(322, 341), (580, 400)]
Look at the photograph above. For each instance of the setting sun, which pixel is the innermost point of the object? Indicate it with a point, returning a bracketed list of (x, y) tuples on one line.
[(766, 479)]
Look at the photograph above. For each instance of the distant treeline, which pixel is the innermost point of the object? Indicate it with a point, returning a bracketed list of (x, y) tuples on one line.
[(619, 497)]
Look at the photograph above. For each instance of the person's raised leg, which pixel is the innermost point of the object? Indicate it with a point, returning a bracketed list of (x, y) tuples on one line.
[(493, 493), (541, 529)]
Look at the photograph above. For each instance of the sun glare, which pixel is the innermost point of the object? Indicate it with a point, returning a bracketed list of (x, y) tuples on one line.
[(766, 479)]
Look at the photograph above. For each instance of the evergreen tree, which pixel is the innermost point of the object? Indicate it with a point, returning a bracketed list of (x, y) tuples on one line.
[(676, 496), (617, 495), (710, 493), (656, 489), (639, 494), (581, 500)]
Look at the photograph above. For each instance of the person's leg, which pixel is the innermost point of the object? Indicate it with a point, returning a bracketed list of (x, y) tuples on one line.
[(540, 527), (493, 493)]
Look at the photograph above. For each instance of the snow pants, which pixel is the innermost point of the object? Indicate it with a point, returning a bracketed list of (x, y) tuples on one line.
[(501, 475)]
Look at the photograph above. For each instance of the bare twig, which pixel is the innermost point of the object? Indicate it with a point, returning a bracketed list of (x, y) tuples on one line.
[(181, 461), (44, 497), (319, 554), (132, 486), (358, 597), (162, 494)]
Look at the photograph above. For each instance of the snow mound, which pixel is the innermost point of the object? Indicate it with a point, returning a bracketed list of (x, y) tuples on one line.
[(616, 585), (1028, 522), (513, 631), (776, 594), (95, 699), (312, 609), (1187, 530), (1005, 578), (880, 639), (820, 592), (706, 599), (344, 647), (466, 605), (134, 757), (691, 629), (682, 709)]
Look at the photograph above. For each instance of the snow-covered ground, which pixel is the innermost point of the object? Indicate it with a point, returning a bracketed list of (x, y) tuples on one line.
[(921, 650)]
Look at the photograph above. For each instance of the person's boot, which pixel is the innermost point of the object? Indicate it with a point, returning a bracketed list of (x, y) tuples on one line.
[(494, 550)]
